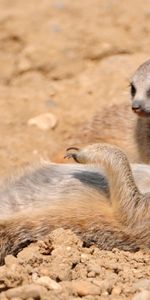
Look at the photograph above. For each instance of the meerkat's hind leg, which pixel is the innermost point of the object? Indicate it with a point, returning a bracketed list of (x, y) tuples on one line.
[(72, 152), (77, 154), (93, 153), (124, 194)]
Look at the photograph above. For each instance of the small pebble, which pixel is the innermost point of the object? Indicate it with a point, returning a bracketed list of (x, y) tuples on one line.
[(84, 288), (10, 260), (48, 283), (116, 290), (26, 291), (142, 284), (44, 121), (144, 295), (94, 268)]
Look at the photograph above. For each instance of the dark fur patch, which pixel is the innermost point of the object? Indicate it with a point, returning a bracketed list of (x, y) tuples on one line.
[(94, 179)]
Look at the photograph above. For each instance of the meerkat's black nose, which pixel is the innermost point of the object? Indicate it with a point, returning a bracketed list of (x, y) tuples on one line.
[(136, 105)]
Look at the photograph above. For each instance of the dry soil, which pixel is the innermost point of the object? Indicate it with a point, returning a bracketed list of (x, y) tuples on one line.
[(68, 58)]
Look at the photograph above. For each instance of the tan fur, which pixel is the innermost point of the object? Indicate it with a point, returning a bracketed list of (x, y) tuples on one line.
[(119, 217), (93, 222), (118, 125), (121, 222)]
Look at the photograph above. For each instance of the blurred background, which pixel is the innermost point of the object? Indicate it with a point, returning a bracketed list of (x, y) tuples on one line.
[(60, 62)]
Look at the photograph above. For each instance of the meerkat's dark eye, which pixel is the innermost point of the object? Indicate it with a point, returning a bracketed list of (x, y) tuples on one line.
[(132, 89), (148, 93)]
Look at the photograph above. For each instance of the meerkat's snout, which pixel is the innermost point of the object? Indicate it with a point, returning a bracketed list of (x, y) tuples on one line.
[(141, 107), (136, 105)]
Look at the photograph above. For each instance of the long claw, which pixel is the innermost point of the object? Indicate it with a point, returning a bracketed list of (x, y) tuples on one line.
[(68, 155), (71, 155), (72, 148)]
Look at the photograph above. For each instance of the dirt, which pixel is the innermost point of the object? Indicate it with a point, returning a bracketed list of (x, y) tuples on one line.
[(68, 59), (59, 267)]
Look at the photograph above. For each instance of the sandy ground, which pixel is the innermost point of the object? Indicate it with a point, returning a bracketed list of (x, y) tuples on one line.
[(68, 58)]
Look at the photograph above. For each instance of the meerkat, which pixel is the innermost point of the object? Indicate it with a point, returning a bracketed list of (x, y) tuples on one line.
[(104, 200), (118, 125)]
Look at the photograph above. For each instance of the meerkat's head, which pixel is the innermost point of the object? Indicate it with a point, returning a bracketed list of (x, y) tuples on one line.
[(140, 90)]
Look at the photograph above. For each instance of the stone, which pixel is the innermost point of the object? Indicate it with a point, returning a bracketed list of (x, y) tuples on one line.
[(48, 283), (84, 288), (144, 295), (44, 121)]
